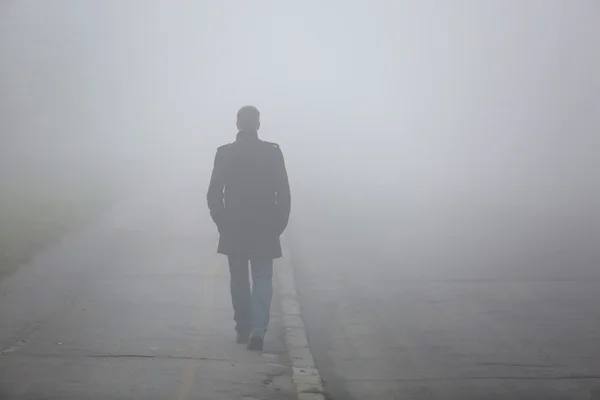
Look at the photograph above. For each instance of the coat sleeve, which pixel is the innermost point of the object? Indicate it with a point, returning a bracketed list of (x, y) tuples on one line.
[(215, 195), (283, 194)]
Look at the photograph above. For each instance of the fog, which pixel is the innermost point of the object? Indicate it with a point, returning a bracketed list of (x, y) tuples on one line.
[(438, 126)]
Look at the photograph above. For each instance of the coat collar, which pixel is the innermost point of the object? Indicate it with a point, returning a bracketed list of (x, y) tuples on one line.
[(243, 135)]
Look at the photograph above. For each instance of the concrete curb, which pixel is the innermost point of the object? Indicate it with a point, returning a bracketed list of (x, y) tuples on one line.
[(305, 374)]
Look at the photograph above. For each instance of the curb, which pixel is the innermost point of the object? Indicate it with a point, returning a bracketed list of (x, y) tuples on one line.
[(305, 374)]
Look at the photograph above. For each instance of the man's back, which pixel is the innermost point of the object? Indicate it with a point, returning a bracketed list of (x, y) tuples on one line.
[(250, 182), (249, 196)]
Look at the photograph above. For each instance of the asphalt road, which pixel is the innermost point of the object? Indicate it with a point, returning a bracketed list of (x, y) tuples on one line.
[(137, 306), (423, 315)]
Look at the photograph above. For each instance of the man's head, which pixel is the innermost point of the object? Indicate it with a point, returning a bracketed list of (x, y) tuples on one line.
[(248, 119)]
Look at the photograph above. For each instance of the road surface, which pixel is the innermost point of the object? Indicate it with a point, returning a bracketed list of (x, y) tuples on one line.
[(135, 307), (387, 320)]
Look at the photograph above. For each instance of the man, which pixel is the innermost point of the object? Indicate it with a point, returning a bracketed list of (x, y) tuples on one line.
[(249, 201)]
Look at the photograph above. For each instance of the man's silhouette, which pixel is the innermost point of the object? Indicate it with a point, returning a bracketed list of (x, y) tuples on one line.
[(249, 201)]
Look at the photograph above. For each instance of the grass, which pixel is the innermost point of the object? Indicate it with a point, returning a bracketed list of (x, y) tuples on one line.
[(35, 215)]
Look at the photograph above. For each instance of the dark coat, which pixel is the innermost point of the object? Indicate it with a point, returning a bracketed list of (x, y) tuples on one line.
[(249, 197)]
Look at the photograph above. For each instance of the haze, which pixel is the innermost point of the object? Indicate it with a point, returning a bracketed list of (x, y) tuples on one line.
[(425, 141)]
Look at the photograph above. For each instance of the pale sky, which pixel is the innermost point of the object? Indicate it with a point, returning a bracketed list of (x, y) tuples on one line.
[(437, 93)]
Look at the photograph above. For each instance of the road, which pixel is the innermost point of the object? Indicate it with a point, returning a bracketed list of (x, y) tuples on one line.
[(135, 307), (409, 319)]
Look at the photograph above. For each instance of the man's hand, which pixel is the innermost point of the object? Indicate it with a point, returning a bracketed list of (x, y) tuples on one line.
[(214, 197), (283, 195)]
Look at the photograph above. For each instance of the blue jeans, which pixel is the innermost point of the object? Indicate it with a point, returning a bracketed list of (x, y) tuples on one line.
[(251, 306)]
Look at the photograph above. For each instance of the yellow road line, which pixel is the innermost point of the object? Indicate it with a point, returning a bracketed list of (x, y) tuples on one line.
[(186, 385)]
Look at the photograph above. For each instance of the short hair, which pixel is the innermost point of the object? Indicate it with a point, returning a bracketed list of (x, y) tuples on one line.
[(248, 117)]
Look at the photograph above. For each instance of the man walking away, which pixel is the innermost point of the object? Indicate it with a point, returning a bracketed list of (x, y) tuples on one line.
[(249, 201)]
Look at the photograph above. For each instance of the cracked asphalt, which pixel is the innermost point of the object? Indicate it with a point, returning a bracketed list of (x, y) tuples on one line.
[(135, 307), (387, 319)]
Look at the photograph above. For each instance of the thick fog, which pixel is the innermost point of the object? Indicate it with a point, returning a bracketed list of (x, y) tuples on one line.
[(436, 126)]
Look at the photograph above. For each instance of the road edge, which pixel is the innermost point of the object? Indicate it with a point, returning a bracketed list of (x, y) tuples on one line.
[(305, 375)]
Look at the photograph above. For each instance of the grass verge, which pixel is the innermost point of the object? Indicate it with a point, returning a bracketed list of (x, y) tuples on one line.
[(33, 217)]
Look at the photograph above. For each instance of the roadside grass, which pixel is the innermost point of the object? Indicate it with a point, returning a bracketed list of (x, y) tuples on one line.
[(33, 216)]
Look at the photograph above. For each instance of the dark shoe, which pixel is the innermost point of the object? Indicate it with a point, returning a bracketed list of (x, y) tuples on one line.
[(255, 343), (242, 338)]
